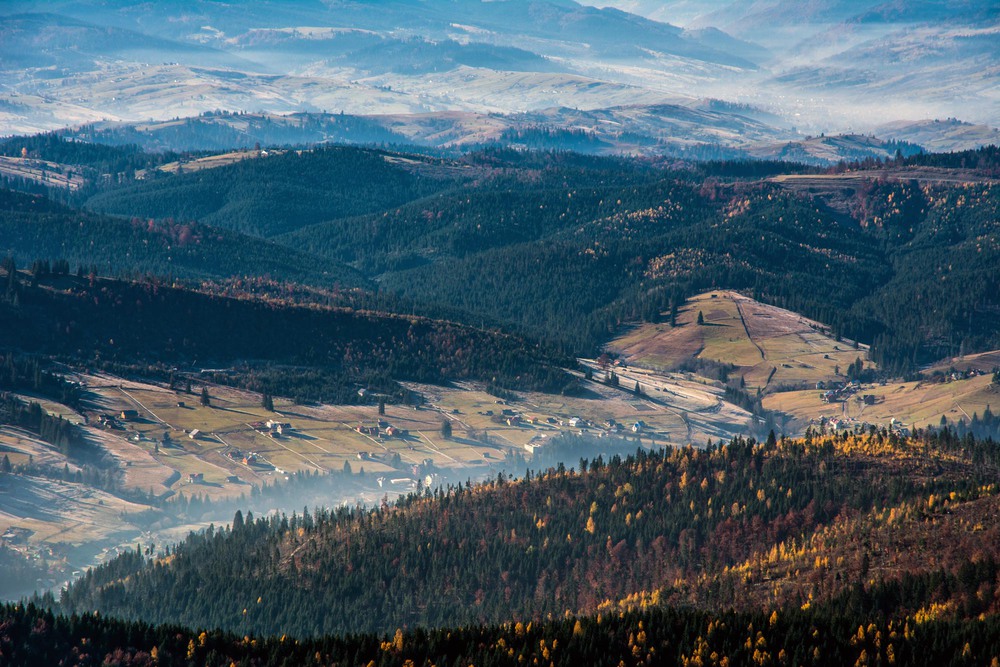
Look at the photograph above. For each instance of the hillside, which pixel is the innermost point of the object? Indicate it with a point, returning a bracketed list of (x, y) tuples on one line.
[(138, 323), (769, 347), (762, 527), (275, 194), (35, 228), (961, 400), (567, 248)]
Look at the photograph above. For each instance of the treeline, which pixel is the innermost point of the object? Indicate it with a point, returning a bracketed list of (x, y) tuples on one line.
[(101, 165), (985, 160), (680, 524), (552, 138), (100, 158), (18, 575), (26, 373), (30, 635), (981, 427)]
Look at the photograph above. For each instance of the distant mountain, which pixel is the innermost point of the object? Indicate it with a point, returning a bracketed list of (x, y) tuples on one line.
[(63, 45), (706, 129), (677, 12), (827, 150), (833, 66), (941, 135)]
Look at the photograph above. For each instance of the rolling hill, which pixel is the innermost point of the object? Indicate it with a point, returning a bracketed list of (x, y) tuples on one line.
[(34, 228), (278, 193), (569, 247)]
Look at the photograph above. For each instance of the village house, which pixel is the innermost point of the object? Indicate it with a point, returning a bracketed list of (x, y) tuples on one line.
[(280, 428)]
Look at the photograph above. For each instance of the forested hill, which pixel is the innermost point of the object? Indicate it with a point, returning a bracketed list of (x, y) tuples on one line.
[(153, 324), (279, 193), (35, 228), (869, 526), (566, 248), (561, 247)]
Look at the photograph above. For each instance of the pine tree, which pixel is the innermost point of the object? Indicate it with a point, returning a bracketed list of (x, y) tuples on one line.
[(446, 429), (701, 319), (205, 398)]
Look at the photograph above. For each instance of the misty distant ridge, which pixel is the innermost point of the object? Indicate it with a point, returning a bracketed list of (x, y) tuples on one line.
[(852, 66)]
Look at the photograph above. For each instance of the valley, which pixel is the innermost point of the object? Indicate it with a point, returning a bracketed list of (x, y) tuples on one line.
[(663, 386), (166, 446), (536, 332), (727, 81)]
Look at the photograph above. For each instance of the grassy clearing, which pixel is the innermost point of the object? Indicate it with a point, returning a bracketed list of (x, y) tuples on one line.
[(770, 347), (984, 361), (916, 404), (43, 172), (61, 513), (22, 447), (214, 161)]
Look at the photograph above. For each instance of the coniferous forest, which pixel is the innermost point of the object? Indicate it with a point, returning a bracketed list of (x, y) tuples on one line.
[(748, 551), (561, 247)]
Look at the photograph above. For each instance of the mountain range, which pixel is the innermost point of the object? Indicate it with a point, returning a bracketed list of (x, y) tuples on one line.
[(806, 68)]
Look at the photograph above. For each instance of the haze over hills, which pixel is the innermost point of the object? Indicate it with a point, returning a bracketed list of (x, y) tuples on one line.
[(823, 67)]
